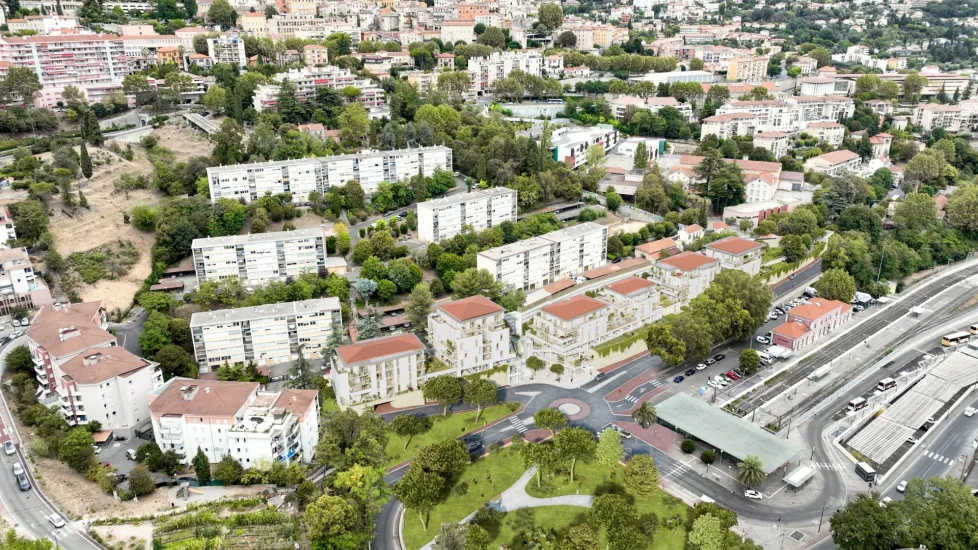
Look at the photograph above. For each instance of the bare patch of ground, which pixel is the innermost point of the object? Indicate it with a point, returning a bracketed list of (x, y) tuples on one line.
[(185, 142), (129, 537)]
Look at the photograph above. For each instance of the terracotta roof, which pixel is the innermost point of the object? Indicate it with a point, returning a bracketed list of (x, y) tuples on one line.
[(629, 285), (655, 247), (692, 228), (825, 125), (574, 307), (69, 330), (791, 330), (734, 245), (837, 157), (818, 308), (728, 117), (688, 261), (613, 268), (296, 401), (189, 397), (470, 308), (375, 348), (772, 135), (759, 165), (101, 364), (717, 225), (559, 285)]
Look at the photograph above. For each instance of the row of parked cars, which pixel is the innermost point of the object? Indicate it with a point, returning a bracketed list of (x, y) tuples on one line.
[(701, 366)]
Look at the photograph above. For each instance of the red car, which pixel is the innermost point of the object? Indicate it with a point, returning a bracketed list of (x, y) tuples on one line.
[(732, 375)]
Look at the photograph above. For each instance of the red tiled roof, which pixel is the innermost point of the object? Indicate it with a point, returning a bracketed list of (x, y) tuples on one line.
[(559, 285), (470, 308), (102, 364), (655, 247), (734, 245), (692, 228), (212, 397), (791, 330), (375, 348), (574, 307), (688, 261), (296, 401), (629, 285), (818, 308), (69, 330), (837, 157)]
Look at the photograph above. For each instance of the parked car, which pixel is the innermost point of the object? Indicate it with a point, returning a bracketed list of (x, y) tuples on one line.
[(473, 445), (97, 449), (25, 322), (15, 323), (600, 376), (678, 379), (902, 486), (23, 483), (8, 447), (713, 384), (56, 520), (690, 372), (885, 501), (753, 495), (18, 469), (719, 357), (912, 440), (732, 375), (131, 454), (969, 412), (857, 308), (763, 340), (701, 366), (16, 334), (625, 435), (710, 361)]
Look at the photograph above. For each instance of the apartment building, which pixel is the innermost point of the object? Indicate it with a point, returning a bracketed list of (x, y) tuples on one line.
[(775, 142), (620, 103), (20, 285), (470, 335), (834, 163), (453, 30), (772, 115), (806, 64), (747, 69), (808, 322), (70, 60), (376, 370), (258, 258), (736, 253), (84, 374), (577, 249), (7, 230), (314, 55), (234, 418), (881, 145), (485, 71), (684, 276), (830, 132), (571, 145), (43, 24), (728, 125), (308, 79), (760, 186), (661, 248), (931, 115), (817, 86), (298, 177), (268, 335), (829, 108), (445, 217), (228, 48)]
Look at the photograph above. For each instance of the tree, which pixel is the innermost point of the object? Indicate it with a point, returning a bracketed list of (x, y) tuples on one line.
[(77, 449), (610, 447), (696, 64), (749, 361), (611, 511), (175, 361), (348, 438), (707, 534), (365, 287), (408, 425), (202, 467), (750, 472), (86, 162), (924, 168), (354, 124), (836, 284), (644, 415), (661, 342), (92, 132), (216, 98), (156, 333), (641, 156), (862, 524), (612, 200), (330, 517), (228, 148), (222, 13), (534, 363), (287, 104), (566, 39), (481, 393), (20, 84), (962, 209), (916, 212), (140, 482), (493, 37), (446, 390), (557, 369), (860, 217), (550, 419), (19, 359), (419, 306), (228, 471), (581, 537), (551, 17), (476, 538), (642, 475), (451, 536), (793, 247), (913, 84), (575, 444), (420, 491)]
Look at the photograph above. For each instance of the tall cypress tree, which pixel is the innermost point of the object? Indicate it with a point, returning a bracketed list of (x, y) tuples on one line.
[(86, 162)]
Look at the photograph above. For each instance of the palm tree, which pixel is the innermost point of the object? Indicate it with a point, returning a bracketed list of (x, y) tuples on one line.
[(644, 415), (750, 472)]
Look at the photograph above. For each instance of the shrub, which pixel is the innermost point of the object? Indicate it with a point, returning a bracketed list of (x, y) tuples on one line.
[(708, 457), (688, 446)]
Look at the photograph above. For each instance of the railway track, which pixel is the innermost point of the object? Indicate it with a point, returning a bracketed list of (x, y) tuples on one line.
[(799, 372)]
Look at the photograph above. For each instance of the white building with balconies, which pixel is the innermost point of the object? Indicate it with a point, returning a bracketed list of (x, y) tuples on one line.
[(736, 253), (684, 276), (443, 218), (375, 370), (258, 258), (470, 335)]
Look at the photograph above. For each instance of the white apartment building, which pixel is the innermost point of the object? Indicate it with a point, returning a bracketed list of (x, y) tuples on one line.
[(485, 71), (571, 145), (234, 418), (760, 186), (228, 48), (703, 77), (772, 116), (84, 374), (445, 217), (620, 104), (929, 116), (684, 276), (42, 24), (736, 253), (829, 108), (747, 69), (300, 176), (539, 261), (553, 66), (20, 285), (376, 370), (806, 64), (834, 163), (470, 335), (775, 142), (817, 86), (728, 125), (70, 60), (830, 132), (268, 335), (308, 79), (258, 258)]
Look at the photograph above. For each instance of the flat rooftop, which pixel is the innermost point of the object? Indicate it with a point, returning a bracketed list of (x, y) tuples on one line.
[(204, 318), (481, 194), (726, 432), (323, 160), (233, 240), (573, 231), (518, 247)]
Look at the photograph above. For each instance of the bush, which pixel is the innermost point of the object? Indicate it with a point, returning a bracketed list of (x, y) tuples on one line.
[(708, 457), (688, 446)]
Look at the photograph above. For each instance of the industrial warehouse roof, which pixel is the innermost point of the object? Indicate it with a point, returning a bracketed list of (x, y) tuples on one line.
[(726, 432)]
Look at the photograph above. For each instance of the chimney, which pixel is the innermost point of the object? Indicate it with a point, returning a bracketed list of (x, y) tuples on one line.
[(92, 359), (207, 390), (189, 392), (68, 333)]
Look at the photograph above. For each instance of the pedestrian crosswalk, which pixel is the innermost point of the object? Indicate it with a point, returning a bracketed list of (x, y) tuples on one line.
[(940, 458), (828, 466), (677, 469), (517, 424), (631, 399)]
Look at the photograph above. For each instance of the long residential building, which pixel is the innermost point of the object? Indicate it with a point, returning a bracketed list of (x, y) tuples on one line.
[(69, 60), (792, 115), (299, 177), (308, 79), (470, 335), (444, 218), (84, 374), (376, 370), (258, 258), (539, 261), (485, 71), (268, 335), (238, 419)]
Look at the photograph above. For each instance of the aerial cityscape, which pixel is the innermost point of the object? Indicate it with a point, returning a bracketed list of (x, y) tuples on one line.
[(488, 275)]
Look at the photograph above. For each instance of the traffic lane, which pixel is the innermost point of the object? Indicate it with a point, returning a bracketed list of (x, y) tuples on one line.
[(28, 511), (801, 279)]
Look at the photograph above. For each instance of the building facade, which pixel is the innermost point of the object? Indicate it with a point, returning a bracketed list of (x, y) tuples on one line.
[(485, 71), (684, 276), (807, 322), (445, 217), (378, 369), (736, 253), (69, 60), (20, 285), (258, 258), (470, 335)]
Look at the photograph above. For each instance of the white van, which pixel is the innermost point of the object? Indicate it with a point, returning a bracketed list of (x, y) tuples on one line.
[(131, 454), (765, 358)]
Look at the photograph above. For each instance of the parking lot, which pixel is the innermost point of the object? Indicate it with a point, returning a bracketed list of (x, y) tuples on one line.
[(114, 453)]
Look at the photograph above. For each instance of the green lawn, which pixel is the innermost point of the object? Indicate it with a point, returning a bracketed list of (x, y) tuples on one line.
[(451, 427), (504, 468), (623, 342), (330, 405)]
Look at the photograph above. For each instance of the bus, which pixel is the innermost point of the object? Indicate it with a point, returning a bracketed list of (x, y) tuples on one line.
[(955, 338), (973, 329), (857, 404), (886, 384), (865, 471)]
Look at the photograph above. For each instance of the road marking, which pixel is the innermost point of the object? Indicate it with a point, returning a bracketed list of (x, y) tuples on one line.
[(518, 424), (604, 383)]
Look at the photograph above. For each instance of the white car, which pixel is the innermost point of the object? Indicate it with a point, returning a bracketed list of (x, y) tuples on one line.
[(763, 340), (15, 323), (701, 366), (16, 334), (912, 440), (970, 411), (902, 486), (753, 495), (96, 449), (885, 501), (18, 469), (8, 447), (56, 520)]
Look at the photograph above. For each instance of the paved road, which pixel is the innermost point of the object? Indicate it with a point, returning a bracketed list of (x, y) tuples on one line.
[(128, 332), (29, 510)]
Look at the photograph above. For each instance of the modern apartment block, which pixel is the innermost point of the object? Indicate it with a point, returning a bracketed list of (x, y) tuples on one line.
[(20, 285), (470, 335), (835, 163), (791, 115), (308, 79), (84, 374), (234, 418), (69, 60), (539, 261), (485, 71), (747, 69), (736, 253), (299, 177), (258, 258), (228, 48), (268, 334), (378, 369), (930, 116), (7, 230), (684, 276), (571, 145), (445, 217)]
